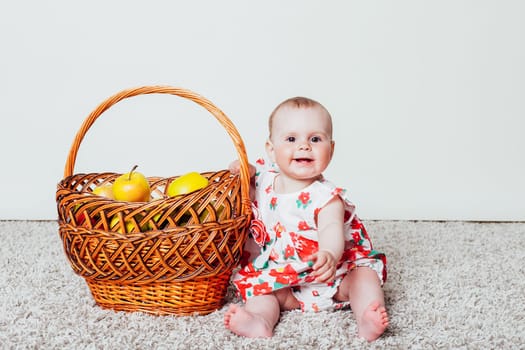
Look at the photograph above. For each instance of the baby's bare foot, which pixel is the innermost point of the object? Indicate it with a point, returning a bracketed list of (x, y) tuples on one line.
[(245, 323), (373, 322)]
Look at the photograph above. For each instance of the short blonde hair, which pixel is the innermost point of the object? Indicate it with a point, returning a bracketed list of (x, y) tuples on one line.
[(297, 102)]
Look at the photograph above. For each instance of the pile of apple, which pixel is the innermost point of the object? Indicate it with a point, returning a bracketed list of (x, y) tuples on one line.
[(134, 187)]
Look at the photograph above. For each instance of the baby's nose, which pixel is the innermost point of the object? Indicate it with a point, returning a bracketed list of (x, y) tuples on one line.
[(305, 145)]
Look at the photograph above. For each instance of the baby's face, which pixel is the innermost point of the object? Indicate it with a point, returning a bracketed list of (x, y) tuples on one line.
[(301, 142)]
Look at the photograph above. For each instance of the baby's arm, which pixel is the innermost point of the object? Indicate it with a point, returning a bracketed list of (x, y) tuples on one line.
[(331, 241)]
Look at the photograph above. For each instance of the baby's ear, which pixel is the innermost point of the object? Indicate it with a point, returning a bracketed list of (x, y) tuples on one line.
[(332, 145), (270, 150)]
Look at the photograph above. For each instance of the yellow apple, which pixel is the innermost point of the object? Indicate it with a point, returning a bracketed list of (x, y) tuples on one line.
[(128, 227), (105, 190), (132, 187), (187, 183)]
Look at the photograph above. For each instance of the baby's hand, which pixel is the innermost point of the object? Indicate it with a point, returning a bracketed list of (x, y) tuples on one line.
[(235, 167), (324, 266)]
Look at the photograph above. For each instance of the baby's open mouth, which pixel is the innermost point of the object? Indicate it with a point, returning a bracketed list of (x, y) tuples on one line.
[(303, 160)]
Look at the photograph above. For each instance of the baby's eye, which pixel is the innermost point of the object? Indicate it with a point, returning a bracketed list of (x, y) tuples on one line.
[(315, 139), (290, 139)]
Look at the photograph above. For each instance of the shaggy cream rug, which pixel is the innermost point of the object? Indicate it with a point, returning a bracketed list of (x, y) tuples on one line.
[(452, 285)]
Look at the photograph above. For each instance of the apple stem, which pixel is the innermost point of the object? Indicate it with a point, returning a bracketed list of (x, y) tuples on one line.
[(132, 170)]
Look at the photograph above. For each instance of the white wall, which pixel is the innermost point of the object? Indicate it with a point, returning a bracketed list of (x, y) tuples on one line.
[(427, 96)]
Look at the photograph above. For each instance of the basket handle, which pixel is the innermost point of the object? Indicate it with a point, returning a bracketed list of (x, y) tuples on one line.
[(144, 90)]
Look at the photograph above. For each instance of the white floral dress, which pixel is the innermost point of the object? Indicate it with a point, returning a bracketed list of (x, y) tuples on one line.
[(284, 233)]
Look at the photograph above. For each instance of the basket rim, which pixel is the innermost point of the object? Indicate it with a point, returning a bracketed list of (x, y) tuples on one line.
[(70, 198)]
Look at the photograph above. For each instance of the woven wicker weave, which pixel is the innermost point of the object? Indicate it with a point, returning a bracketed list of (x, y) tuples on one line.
[(177, 254)]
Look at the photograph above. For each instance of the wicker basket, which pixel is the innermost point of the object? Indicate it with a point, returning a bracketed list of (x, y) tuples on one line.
[(177, 253)]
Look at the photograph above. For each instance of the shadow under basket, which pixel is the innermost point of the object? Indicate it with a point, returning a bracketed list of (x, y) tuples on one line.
[(171, 255)]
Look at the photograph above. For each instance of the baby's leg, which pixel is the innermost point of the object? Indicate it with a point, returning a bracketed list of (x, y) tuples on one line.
[(362, 287), (256, 319)]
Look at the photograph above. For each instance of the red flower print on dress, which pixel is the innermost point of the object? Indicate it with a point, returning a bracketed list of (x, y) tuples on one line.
[(357, 237), (303, 226), (309, 279), (257, 228), (259, 233), (278, 229), (268, 189), (304, 246), (274, 256), (249, 271), (348, 255), (287, 276), (363, 251), (289, 251), (260, 161), (273, 203), (261, 289), (242, 287), (357, 224), (338, 191), (303, 200)]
